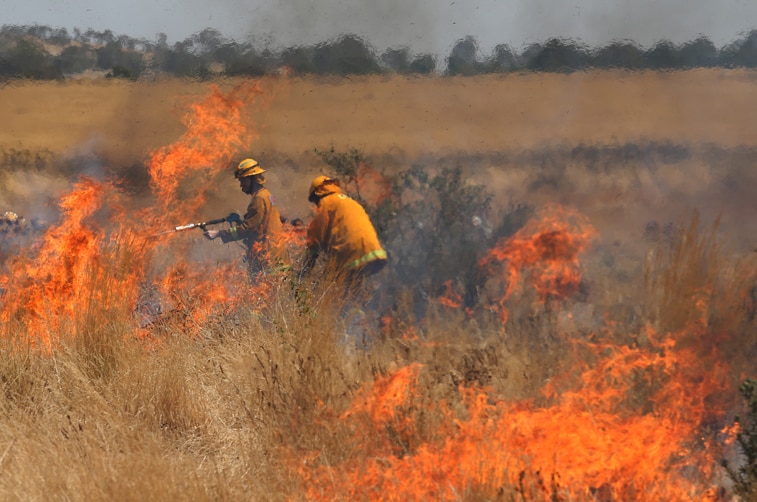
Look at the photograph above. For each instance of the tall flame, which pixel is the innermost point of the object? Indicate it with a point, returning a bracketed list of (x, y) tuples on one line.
[(217, 130), (55, 279), (102, 253)]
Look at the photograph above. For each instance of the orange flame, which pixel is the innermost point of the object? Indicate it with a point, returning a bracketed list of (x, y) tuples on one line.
[(630, 423), (386, 394), (372, 186), (216, 131), (56, 278), (97, 258), (451, 298), (596, 440), (547, 248)]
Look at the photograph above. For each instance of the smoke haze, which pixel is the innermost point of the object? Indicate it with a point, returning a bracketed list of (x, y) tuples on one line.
[(423, 26)]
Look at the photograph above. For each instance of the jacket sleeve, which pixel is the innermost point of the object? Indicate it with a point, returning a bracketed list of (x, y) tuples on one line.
[(252, 226), (318, 231)]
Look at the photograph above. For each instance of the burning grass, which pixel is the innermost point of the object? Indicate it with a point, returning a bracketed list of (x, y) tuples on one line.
[(285, 401), (280, 403), (524, 367)]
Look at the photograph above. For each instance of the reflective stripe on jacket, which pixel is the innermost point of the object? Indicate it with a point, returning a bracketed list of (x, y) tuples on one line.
[(342, 230)]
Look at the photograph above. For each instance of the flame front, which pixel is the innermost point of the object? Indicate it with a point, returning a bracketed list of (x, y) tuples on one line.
[(626, 424), (57, 278), (622, 421), (101, 254)]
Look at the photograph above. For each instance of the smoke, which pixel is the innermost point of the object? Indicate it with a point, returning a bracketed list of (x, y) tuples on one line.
[(434, 27), (382, 24), (33, 195), (423, 26), (645, 22)]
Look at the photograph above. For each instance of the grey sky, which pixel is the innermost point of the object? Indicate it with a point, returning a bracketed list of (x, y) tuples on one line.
[(423, 25)]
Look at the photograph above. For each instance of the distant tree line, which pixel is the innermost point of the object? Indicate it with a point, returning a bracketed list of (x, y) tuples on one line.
[(42, 52)]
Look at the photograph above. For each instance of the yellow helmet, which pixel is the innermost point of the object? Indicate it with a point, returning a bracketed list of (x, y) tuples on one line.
[(248, 167), (323, 185)]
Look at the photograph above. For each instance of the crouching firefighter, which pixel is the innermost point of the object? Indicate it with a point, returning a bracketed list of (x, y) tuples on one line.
[(343, 233), (261, 228)]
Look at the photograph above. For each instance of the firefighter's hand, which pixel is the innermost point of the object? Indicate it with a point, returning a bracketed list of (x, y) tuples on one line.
[(211, 234)]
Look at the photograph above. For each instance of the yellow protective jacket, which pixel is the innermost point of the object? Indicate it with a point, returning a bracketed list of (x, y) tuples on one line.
[(342, 230), (261, 230)]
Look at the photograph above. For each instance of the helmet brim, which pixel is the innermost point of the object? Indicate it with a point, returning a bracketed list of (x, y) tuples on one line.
[(249, 171)]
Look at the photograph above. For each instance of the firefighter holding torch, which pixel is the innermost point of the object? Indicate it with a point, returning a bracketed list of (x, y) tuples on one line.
[(261, 227)]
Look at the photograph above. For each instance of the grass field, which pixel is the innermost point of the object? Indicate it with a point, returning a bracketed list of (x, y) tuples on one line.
[(507, 131), (617, 383)]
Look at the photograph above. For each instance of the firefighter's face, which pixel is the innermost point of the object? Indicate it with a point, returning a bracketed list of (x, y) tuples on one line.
[(246, 184)]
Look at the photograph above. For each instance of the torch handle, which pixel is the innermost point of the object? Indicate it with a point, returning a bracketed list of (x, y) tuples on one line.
[(200, 225)]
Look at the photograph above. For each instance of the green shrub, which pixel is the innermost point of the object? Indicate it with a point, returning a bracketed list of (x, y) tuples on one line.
[(434, 224), (28, 59), (745, 477)]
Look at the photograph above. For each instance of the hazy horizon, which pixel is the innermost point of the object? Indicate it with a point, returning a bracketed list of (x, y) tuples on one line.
[(422, 26)]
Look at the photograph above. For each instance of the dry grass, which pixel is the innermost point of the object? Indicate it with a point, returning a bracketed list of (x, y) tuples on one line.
[(414, 116), (623, 148), (233, 413), (106, 416), (255, 402)]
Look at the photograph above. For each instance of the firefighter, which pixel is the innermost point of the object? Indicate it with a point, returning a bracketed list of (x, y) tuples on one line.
[(342, 231), (261, 229), (12, 223)]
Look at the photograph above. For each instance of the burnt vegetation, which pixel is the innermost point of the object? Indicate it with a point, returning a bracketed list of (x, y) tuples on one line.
[(44, 52)]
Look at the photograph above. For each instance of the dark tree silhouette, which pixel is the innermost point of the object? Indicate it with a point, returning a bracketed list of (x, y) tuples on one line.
[(25, 53), (349, 55), (123, 64), (102, 38), (463, 59), (423, 64), (27, 58), (76, 59), (663, 56), (58, 37), (502, 60), (180, 61), (700, 53), (742, 53), (298, 59), (396, 60), (206, 42), (625, 55), (559, 55), (245, 60)]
